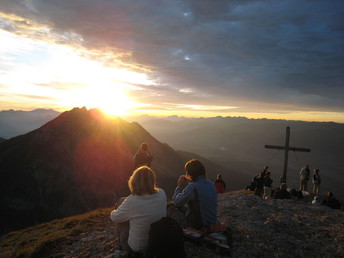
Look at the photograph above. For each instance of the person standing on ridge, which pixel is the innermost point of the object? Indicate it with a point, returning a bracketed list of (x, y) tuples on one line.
[(143, 157), (220, 184), (259, 185), (265, 170), (304, 177), (267, 185), (316, 180)]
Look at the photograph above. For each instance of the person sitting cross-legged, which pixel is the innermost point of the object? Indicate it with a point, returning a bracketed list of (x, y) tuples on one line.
[(282, 192), (145, 205), (198, 194)]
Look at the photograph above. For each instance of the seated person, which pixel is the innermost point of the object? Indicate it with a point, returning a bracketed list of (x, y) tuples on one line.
[(316, 201), (296, 193), (220, 185), (199, 194), (331, 201), (251, 186), (282, 192), (145, 205)]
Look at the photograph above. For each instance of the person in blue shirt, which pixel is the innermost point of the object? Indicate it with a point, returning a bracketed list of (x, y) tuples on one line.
[(198, 194)]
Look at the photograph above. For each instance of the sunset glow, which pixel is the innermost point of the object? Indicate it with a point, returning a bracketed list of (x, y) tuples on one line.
[(129, 61), (110, 99)]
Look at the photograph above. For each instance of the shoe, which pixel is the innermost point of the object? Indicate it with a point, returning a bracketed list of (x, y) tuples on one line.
[(120, 254)]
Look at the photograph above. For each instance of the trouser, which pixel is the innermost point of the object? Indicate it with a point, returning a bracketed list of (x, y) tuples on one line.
[(267, 192), (303, 185), (316, 189), (178, 214), (259, 191), (122, 230)]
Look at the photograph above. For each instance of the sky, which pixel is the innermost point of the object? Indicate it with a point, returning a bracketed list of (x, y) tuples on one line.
[(258, 59)]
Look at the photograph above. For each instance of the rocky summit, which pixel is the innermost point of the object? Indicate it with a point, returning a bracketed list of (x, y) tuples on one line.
[(260, 228), (281, 228)]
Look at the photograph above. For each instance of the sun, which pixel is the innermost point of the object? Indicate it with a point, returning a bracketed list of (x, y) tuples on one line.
[(111, 99)]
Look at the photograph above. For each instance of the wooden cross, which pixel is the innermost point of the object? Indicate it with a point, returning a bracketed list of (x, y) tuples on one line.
[(286, 149)]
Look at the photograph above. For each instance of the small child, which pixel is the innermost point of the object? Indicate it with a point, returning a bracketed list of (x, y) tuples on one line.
[(316, 200)]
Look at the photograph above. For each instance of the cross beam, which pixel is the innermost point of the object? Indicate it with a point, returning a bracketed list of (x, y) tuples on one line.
[(286, 149)]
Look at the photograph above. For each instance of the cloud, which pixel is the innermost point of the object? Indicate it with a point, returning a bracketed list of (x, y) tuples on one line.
[(228, 52)]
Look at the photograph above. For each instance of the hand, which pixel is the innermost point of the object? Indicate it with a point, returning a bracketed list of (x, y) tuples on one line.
[(182, 181)]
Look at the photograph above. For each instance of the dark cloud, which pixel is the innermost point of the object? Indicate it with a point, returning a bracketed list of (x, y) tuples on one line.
[(287, 52)]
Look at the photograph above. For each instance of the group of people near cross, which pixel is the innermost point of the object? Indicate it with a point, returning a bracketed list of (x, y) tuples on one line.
[(305, 176), (261, 185), (194, 202)]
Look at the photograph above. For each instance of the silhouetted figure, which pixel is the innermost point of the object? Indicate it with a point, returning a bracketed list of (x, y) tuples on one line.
[(316, 201), (220, 184), (259, 180), (316, 180), (251, 186), (331, 201), (296, 193), (267, 185), (265, 170), (143, 157), (304, 177), (282, 192)]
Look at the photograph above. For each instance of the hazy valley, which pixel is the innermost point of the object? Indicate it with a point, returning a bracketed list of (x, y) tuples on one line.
[(238, 144)]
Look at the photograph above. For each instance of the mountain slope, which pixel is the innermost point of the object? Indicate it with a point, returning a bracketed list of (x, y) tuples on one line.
[(75, 163), (260, 228)]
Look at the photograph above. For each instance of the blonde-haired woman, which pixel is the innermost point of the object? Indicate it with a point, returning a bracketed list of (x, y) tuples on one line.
[(145, 205)]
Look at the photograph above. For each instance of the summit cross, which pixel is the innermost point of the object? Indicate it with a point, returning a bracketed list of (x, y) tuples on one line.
[(286, 149)]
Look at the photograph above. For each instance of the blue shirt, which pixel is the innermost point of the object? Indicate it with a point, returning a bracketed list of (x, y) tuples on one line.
[(207, 198)]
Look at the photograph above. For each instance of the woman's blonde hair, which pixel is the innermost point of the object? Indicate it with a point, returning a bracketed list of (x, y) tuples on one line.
[(142, 181)]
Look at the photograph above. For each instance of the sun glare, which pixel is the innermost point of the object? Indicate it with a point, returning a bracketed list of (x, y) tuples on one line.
[(111, 99)]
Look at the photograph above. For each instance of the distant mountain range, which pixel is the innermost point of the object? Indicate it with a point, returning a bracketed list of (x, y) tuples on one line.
[(238, 143), (14, 123), (77, 162)]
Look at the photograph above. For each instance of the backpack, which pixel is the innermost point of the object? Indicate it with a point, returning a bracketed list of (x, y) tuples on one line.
[(166, 239)]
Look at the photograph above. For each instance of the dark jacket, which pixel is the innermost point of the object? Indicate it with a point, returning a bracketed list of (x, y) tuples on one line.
[(267, 181), (281, 194), (331, 202)]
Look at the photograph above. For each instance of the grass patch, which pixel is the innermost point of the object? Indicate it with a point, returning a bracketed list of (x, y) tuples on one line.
[(36, 241)]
